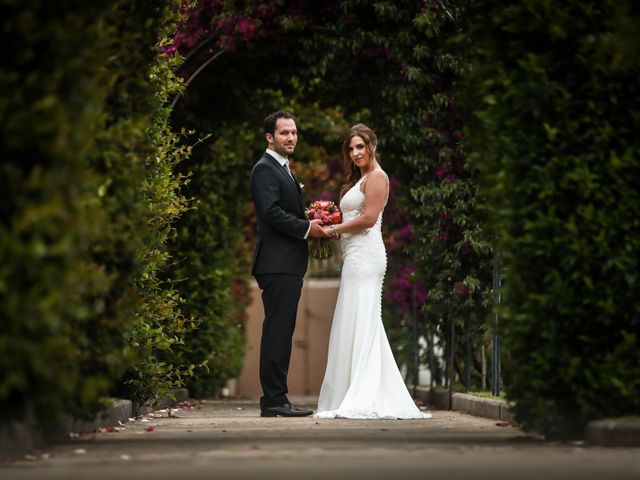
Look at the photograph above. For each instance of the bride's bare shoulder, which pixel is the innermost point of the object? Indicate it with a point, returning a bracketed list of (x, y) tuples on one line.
[(378, 178), (379, 175)]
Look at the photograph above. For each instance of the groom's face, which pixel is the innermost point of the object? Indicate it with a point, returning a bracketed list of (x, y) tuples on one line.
[(285, 137)]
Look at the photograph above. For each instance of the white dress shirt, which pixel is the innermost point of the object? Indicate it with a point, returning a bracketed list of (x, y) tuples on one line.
[(283, 161)]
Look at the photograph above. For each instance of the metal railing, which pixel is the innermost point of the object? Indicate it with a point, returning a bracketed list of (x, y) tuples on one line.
[(446, 361)]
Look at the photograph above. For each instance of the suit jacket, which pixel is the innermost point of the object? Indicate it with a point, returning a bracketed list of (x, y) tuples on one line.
[(282, 224)]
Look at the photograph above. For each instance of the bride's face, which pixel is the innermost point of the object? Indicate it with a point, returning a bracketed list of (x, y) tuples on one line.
[(359, 153)]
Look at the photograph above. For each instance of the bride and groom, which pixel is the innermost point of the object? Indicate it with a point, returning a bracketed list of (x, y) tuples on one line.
[(362, 379)]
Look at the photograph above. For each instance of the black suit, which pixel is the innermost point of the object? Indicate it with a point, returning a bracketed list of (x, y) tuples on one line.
[(279, 264)]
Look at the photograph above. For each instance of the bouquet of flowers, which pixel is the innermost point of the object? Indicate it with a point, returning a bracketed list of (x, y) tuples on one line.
[(329, 214)]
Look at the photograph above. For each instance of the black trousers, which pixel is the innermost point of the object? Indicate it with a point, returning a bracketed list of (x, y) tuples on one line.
[(280, 296)]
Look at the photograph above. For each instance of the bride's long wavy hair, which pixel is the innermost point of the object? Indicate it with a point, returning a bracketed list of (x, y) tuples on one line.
[(351, 172)]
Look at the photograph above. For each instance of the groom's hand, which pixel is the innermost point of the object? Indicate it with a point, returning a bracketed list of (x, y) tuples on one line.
[(316, 229)]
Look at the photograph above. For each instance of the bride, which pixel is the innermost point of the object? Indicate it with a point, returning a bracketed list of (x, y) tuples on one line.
[(362, 379)]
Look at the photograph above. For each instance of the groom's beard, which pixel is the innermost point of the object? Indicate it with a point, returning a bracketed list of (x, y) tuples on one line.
[(283, 150)]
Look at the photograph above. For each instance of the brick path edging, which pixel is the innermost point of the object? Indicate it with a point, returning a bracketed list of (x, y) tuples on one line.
[(471, 404), (613, 433), (605, 433), (19, 437)]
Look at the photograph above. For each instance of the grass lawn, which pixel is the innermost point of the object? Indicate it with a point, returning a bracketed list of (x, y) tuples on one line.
[(487, 395), (626, 420)]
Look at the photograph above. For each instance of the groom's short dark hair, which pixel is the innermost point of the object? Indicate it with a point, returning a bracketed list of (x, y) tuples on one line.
[(269, 123)]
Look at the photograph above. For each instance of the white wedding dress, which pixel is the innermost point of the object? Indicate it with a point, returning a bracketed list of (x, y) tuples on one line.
[(362, 379)]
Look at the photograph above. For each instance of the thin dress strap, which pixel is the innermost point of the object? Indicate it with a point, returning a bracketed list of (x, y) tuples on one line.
[(364, 185), (363, 180)]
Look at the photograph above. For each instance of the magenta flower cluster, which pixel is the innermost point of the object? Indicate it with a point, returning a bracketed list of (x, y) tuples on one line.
[(446, 225), (229, 27), (460, 288), (445, 174), (400, 289), (403, 281)]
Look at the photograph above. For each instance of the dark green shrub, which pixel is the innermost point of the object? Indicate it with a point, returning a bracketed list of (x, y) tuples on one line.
[(451, 243), (64, 306), (88, 196), (157, 365), (558, 140), (208, 264)]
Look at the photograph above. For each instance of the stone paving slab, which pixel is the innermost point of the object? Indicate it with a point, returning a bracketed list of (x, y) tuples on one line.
[(228, 439)]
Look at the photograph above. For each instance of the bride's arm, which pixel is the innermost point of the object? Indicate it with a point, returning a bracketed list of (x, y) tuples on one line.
[(375, 196)]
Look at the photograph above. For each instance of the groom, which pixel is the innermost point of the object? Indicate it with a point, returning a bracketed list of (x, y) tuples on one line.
[(280, 259)]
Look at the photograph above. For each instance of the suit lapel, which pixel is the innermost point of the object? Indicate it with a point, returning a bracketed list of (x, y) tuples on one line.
[(283, 171)]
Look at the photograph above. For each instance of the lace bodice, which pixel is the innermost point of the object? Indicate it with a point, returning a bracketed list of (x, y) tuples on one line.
[(363, 250), (352, 205)]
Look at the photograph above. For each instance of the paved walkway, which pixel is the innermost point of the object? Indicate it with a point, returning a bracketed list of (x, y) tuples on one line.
[(228, 439)]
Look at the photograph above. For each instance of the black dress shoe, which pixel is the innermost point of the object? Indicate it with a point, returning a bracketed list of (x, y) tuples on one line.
[(285, 410)]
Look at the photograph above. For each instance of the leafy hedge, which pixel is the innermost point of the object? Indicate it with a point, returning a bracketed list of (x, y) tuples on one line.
[(157, 365), (558, 138), (208, 263), (88, 198), (452, 246)]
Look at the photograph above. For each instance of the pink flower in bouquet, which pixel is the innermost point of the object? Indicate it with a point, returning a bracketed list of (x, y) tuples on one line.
[(329, 214), (326, 211)]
